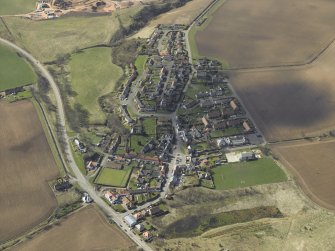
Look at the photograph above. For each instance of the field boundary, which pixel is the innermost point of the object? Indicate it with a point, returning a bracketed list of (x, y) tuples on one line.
[(50, 137)]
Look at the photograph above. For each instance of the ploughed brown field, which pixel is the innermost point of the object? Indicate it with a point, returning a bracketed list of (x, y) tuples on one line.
[(257, 33), (86, 229), (293, 102), (314, 166), (26, 165)]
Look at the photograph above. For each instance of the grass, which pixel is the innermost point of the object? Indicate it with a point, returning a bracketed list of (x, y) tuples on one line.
[(119, 208), (48, 39), (78, 158), (227, 132), (149, 126), (92, 75), (137, 142), (14, 70), (10, 7), (140, 63), (113, 177), (196, 225), (244, 174), (50, 138)]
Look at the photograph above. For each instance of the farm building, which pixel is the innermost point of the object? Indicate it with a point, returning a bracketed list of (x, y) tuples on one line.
[(130, 220), (240, 156)]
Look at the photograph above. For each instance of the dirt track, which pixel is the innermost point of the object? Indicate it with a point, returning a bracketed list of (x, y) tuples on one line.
[(255, 33), (26, 166), (86, 229)]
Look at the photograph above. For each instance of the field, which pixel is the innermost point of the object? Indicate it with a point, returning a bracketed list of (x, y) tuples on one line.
[(183, 15), (14, 70), (48, 39), (244, 174), (313, 166), (86, 229), (10, 7), (113, 177), (290, 103), (267, 33), (26, 165), (92, 75)]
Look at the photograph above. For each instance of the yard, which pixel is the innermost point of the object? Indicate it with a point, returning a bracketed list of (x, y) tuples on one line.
[(14, 70), (113, 177), (140, 63), (149, 125), (11, 7), (137, 142), (244, 174), (92, 75)]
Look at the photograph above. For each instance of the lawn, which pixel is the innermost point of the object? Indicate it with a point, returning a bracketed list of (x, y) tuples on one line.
[(14, 70), (113, 177), (140, 63), (10, 7), (48, 39), (149, 125), (227, 132), (92, 75), (137, 142), (244, 174)]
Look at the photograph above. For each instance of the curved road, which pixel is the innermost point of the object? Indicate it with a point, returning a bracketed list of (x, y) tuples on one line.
[(80, 178)]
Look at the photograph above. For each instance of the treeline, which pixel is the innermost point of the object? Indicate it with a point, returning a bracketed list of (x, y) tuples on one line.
[(141, 18), (76, 115)]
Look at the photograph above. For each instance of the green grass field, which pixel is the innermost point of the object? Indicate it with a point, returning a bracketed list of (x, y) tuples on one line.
[(48, 39), (244, 174), (92, 75), (10, 7), (140, 63), (14, 70), (113, 177), (149, 125)]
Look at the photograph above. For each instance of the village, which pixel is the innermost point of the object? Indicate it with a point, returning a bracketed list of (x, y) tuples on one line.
[(183, 120)]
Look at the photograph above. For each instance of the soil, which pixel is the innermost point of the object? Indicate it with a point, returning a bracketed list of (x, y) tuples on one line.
[(26, 165)]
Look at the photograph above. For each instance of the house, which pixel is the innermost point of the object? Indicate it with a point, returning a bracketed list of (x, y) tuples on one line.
[(147, 236), (80, 146), (140, 227), (246, 126), (154, 211), (238, 140), (246, 156), (62, 186), (138, 215), (86, 198), (233, 105), (92, 165), (205, 122), (130, 220)]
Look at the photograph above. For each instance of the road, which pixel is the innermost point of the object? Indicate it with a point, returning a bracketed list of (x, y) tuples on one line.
[(80, 178)]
